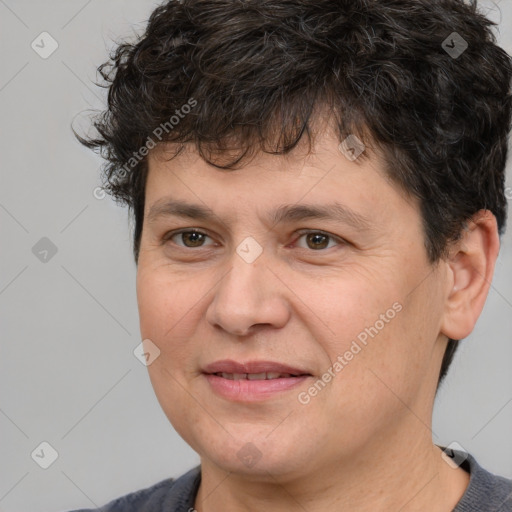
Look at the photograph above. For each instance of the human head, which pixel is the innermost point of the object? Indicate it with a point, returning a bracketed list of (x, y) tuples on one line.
[(257, 73)]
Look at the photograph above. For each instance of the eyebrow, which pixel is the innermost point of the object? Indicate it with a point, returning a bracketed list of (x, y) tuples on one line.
[(284, 213)]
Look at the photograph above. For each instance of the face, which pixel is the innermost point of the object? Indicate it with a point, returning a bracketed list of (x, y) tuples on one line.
[(288, 339)]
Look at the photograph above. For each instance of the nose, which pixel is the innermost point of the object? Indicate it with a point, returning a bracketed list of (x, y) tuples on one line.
[(249, 295)]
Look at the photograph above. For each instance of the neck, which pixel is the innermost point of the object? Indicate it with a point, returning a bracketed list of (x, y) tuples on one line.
[(410, 477)]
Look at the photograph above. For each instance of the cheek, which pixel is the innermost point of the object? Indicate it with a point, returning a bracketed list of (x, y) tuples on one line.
[(167, 317), (368, 330), (171, 311), (354, 307), (164, 303)]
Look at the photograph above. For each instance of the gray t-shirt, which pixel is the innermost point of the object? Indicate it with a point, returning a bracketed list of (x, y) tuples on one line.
[(486, 493)]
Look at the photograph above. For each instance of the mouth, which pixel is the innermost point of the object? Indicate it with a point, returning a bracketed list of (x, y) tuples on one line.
[(252, 381), (253, 370), (255, 376)]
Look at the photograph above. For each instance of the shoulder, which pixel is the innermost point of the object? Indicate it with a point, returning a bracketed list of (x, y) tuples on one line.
[(486, 491), (171, 494)]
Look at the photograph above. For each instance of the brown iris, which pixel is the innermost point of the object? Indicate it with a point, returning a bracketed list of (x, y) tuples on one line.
[(318, 240)]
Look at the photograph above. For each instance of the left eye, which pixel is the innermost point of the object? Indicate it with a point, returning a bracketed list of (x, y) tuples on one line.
[(196, 238), (317, 240)]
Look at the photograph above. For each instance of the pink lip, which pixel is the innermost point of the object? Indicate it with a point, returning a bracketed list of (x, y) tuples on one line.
[(252, 390), (229, 366)]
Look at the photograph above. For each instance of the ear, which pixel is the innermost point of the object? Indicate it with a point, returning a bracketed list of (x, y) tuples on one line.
[(471, 267)]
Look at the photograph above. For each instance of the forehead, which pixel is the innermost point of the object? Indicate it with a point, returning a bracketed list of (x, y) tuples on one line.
[(290, 186)]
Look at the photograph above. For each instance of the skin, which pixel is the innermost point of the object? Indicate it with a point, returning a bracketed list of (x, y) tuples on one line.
[(364, 442)]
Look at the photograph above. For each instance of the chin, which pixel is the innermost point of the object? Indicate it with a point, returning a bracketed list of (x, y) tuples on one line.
[(256, 455), (259, 466)]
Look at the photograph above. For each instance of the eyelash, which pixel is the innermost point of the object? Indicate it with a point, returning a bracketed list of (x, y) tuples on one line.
[(168, 236)]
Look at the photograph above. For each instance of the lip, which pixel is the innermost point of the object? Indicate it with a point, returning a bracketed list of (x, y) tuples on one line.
[(230, 366), (252, 390)]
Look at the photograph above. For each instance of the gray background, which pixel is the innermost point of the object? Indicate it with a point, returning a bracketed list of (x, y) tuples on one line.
[(69, 325)]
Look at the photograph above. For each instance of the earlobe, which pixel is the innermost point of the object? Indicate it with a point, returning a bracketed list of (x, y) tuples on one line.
[(471, 265)]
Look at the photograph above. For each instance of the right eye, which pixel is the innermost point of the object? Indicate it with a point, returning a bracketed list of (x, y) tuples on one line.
[(188, 238)]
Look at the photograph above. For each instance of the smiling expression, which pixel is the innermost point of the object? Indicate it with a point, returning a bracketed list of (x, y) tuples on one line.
[(255, 282)]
